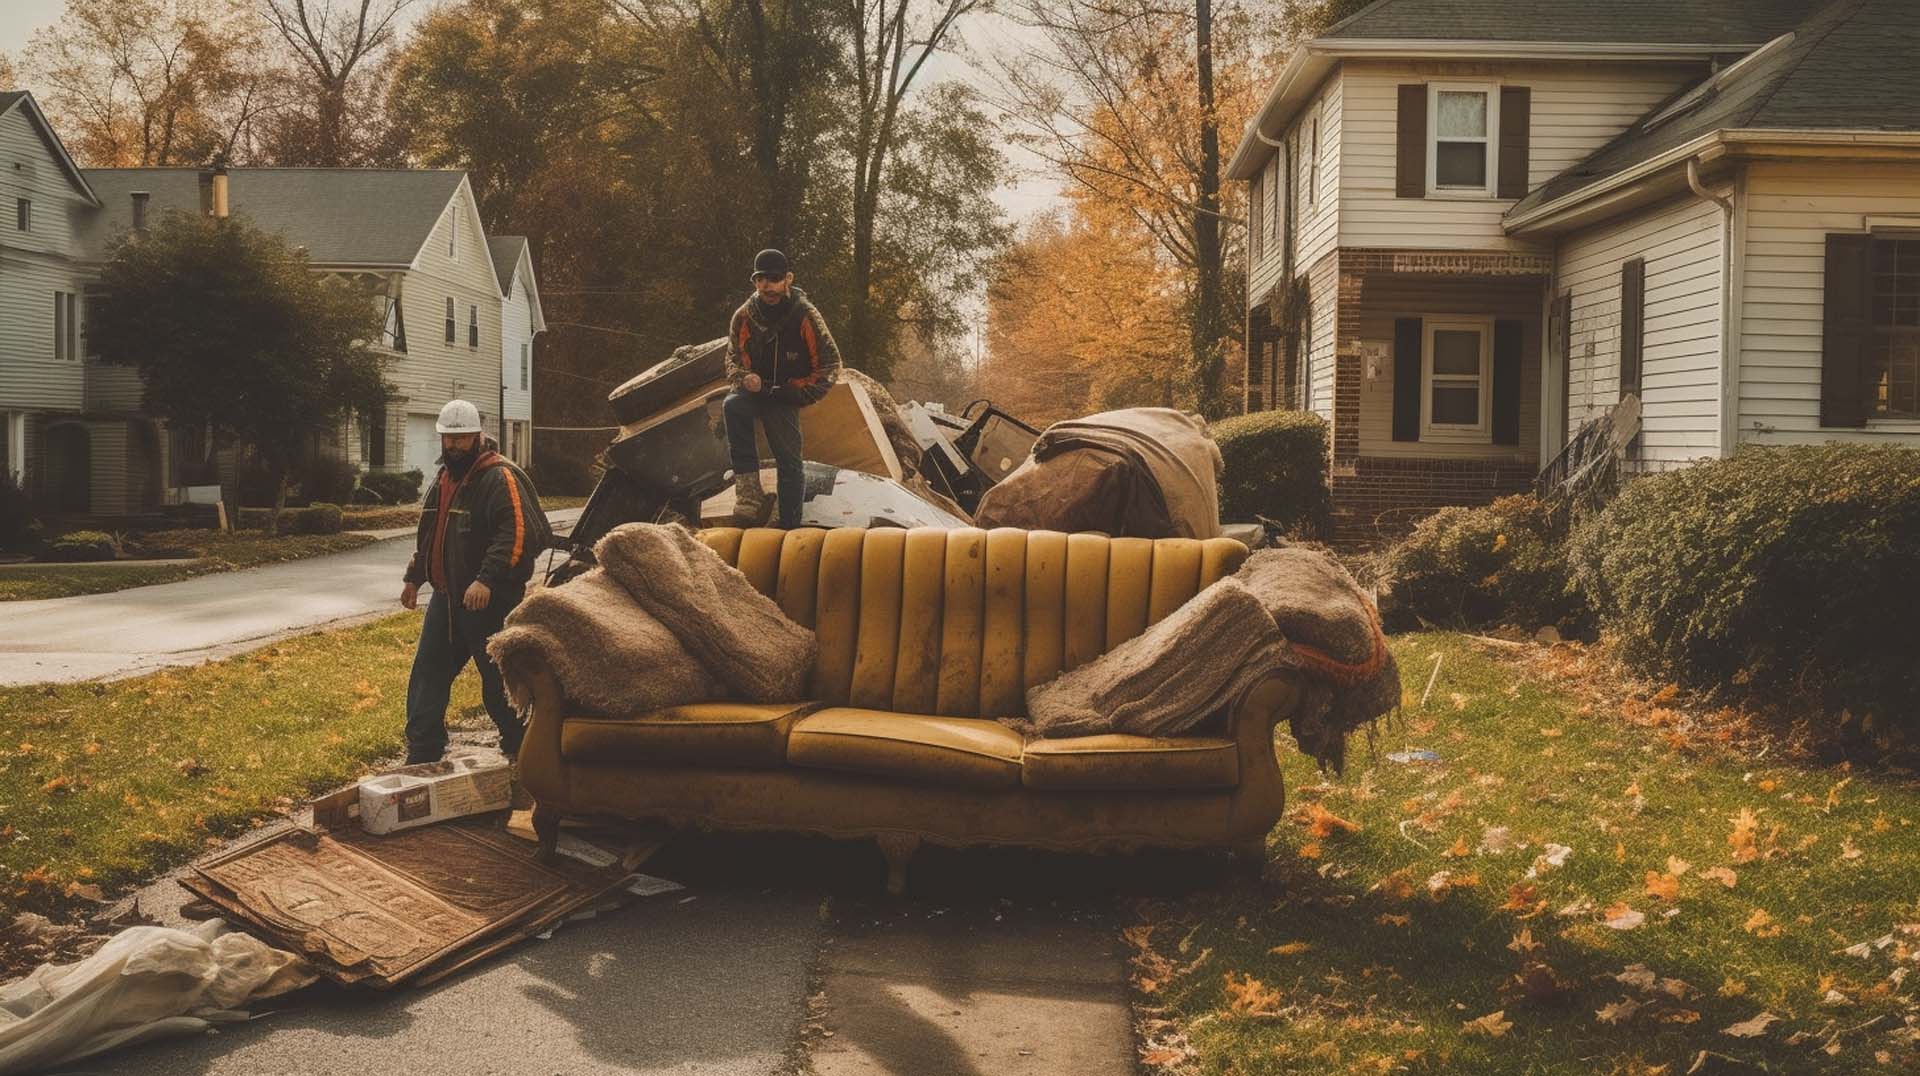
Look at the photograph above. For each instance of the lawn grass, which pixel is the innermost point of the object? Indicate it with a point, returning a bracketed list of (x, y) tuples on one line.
[(1389, 947), (561, 500), (220, 551), (108, 784)]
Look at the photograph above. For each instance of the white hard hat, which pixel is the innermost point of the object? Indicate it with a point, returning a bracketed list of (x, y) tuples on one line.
[(458, 416)]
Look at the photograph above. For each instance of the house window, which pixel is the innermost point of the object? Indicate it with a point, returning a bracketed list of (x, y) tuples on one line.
[(1893, 355), (473, 326), (453, 228), (1454, 380), (1313, 165), (452, 329), (526, 364), (394, 333), (66, 326), (23, 214), (1462, 155)]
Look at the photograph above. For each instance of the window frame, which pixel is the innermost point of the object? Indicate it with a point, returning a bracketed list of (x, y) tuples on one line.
[(1882, 337), (23, 215), (1480, 433), (453, 233), (526, 365), (1312, 130), (453, 328), (1490, 188), (1256, 223), (473, 325)]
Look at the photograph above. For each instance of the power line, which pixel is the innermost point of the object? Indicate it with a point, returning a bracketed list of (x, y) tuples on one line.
[(576, 429), (597, 328), (579, 377)]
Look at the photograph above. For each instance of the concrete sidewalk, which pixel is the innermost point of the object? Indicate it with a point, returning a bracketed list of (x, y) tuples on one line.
[(129, 632)]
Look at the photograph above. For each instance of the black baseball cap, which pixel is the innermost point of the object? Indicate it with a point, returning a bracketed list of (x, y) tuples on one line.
[(770, 262)]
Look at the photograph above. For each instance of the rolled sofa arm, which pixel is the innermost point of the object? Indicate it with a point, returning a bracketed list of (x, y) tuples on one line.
[(1261, 796), (542, 771)]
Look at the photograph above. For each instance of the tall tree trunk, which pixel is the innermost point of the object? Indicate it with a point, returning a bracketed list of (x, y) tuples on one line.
[(1208, 324)]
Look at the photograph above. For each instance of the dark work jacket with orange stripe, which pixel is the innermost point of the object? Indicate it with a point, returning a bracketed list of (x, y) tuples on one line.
[(486, 527), (790, 348)]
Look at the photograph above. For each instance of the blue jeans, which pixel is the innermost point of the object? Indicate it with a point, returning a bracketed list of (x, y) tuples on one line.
[(451, 636), (781, 420)]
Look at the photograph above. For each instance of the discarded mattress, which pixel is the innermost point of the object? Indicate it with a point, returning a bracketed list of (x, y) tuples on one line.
[(1144, 472), (146, 982)]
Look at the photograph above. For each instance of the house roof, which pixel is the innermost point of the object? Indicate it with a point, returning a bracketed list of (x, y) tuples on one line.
[(1738, 23), (9, 99), (506, 250), (1848, 66), (374, 217)]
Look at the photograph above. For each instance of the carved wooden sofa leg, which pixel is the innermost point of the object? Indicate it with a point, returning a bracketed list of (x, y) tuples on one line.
[(899, 849), (546, 826)]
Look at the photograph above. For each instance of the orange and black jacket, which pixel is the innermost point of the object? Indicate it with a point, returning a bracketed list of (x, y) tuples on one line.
[(487, 526), (790, 348)]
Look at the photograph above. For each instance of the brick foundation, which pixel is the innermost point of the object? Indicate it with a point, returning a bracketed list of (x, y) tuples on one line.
[(1381, 499)]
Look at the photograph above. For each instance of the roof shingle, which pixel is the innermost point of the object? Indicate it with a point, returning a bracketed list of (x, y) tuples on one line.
[(1690, 22)]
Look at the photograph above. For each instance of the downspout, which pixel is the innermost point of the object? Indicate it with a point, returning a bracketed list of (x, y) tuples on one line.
[(1730, 260), (1290, 333)]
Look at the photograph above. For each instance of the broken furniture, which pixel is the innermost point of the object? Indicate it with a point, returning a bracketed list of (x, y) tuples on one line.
[(925, 636)]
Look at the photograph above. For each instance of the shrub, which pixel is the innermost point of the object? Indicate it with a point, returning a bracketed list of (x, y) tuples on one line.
[(1779, 570), (1481, 567), (316, 518), (19, 531), (1276, 466), (325, 479), (393, 487), (80, 546), (256, 485)]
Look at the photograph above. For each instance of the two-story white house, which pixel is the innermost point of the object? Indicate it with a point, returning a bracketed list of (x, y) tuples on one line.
[(1478, 224), (412, 238)]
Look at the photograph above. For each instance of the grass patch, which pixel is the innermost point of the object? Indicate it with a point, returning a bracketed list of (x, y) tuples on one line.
[(108, 784), (1397, 917), (559, 501), (375, 519), (220, 551)]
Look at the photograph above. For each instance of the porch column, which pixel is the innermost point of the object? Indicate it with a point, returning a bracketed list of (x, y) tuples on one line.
[(16, 431)]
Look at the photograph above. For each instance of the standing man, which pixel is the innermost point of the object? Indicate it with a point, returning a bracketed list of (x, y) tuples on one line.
[(481, 528), (780, 358)]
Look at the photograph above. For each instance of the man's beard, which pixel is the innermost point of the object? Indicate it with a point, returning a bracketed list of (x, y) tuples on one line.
[(458, 458)]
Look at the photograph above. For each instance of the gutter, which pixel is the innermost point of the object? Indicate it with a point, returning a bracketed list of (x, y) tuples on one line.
[(1732, 264)]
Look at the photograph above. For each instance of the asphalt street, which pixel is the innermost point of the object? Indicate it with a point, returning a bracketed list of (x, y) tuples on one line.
[(128, 632)]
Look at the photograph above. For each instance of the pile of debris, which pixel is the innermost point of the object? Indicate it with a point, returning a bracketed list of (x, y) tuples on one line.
[(874, 462)]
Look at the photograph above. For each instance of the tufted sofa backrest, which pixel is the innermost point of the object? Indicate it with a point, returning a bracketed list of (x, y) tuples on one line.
[(961, 622)]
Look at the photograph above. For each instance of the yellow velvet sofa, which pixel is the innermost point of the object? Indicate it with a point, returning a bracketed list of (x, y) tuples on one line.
[(924, 637)]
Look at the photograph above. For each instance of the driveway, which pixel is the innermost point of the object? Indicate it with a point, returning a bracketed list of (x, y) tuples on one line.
[(129, 632)]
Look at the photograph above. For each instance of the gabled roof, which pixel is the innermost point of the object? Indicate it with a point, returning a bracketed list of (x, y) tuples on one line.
[(506, 250), (1850, 66), (361, 217), (1736, 23), (11, 99)]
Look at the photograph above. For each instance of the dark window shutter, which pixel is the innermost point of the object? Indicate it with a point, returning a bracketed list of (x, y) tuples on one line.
[(1848, 329), (1563, 337), (1410, 169), (1507, 344), (1406, 378), (1633, 305), (1516, 119)]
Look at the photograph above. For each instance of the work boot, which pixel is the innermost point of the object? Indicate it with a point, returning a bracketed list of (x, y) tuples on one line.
[(751, 505)]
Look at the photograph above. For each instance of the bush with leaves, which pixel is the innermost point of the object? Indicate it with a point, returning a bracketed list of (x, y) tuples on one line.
[(1781, 571), (392, 487), (316, 518), (1482, 567), (80, 547), (325, 479), (1276, 466), (19, 531)]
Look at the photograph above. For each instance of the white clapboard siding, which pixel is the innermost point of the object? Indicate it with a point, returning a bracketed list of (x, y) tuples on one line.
[(1681, 241), (434, 371), (1316, 226), (516, 328), (34, 265), (1407, 295), (1576, 109), (1790, 209)]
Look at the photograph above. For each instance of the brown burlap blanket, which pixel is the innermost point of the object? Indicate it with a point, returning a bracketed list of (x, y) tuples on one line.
[(662, 622), (1289, 609)]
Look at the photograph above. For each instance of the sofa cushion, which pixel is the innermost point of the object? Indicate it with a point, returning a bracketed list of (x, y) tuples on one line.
[(698, 734), (1114, 761), (943, 750)]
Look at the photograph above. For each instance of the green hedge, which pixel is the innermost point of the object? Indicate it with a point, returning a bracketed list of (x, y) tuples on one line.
[(393, 487), (80, 546), (316, 518), (1791, 572), (1276, 466), (19, 530), (1482, 567)]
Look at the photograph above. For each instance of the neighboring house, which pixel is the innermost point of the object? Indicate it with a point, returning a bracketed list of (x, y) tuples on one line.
[(520, 321), (1479, 224), (412, 238)]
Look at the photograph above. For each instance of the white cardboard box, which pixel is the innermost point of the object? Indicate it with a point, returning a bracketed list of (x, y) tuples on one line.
[(468, 781)]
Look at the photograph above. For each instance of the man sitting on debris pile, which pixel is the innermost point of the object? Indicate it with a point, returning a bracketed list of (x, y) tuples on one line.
[(481, 529), (780, 358)]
